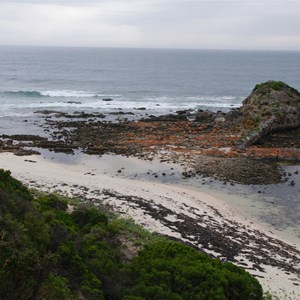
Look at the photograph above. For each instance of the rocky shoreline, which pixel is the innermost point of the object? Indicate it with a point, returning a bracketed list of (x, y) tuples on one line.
[(239, 146)]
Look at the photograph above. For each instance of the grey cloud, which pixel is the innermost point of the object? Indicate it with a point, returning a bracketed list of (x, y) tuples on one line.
[(155, 23)]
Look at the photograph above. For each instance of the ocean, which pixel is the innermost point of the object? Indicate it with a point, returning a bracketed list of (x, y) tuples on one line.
[(72, 79), (161, 81)]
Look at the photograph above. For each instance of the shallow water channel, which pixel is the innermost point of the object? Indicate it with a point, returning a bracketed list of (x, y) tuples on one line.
[(276, 206)]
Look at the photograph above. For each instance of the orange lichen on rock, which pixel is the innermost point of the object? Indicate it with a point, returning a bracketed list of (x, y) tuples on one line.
[(215, 152), (276, 153)]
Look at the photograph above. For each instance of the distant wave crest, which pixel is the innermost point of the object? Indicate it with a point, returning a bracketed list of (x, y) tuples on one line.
[(55, 93), (23, 94)]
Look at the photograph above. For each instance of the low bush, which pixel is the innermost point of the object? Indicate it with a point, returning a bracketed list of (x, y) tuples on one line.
[(170, 270)]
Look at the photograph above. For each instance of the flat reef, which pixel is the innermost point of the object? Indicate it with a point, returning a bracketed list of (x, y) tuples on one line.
[(245, 145)]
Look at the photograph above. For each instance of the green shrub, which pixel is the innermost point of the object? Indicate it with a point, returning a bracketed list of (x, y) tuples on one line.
[(56, 287), (277, 85), (170, 270), (13, 186), (91, 216), (257, 86)]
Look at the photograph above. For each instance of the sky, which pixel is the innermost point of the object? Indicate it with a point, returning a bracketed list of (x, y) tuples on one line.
[(192, 24)]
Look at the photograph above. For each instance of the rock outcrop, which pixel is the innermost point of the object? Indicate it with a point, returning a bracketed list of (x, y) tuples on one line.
[(272, 106)]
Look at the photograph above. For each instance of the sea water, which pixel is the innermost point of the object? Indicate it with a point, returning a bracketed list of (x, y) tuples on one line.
[(160, 80)]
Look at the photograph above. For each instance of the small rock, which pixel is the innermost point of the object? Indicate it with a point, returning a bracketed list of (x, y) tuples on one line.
[(220, 120)]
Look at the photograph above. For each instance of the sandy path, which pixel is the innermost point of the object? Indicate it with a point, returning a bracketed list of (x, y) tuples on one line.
[(192, 216)]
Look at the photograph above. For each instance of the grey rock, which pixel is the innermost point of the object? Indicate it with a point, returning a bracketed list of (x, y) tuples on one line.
[(272, 106)]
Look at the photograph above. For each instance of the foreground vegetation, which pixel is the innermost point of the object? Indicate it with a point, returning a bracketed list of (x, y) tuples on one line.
[(49, 250)]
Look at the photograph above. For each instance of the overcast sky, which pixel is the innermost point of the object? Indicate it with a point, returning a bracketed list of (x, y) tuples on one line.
[(211, 24)]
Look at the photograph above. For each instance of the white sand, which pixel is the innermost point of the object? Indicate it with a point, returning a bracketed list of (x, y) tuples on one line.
[(183, 213)]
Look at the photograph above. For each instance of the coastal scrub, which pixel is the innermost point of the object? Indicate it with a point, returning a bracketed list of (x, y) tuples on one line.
[(49, 252)]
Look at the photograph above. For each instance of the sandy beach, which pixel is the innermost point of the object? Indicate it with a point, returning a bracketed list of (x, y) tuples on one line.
[(199, 219)]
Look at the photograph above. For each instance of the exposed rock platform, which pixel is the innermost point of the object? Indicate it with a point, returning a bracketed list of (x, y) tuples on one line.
[(241, 146)]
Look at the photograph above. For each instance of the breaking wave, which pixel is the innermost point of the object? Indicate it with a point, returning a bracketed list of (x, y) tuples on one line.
[(55, 93), (31, 94), (69, 100)]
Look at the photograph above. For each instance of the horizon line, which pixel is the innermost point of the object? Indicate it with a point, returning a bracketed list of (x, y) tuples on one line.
[(154, 48)]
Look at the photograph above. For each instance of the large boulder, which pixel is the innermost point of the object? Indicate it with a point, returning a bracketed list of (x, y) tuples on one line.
[(272, 106)]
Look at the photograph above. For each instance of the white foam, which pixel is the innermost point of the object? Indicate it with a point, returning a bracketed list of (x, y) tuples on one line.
[(73, 94), (195, 101), (69, 100), (67, 94)]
